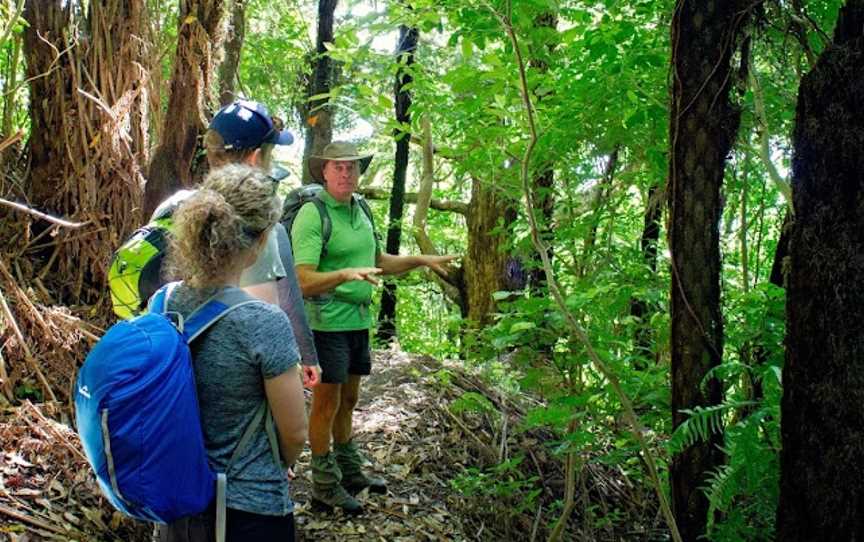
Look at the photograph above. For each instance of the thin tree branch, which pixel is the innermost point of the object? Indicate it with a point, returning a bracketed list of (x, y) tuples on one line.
[(764, 149), (411, 197), (43, 216)]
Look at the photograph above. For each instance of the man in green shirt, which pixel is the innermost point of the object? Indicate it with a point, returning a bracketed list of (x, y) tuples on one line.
[(338, 288)]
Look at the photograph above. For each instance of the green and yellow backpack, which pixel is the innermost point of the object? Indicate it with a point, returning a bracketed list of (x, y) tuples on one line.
[(136, 268)]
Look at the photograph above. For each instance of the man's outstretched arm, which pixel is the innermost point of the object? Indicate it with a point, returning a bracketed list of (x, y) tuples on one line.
[(394, 265)]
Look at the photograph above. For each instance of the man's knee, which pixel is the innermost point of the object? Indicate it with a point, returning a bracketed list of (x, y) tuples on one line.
[(350, 393), (326, 400)]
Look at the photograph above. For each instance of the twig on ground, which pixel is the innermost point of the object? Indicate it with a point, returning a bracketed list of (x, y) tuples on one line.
[(28, 355), (44, 422), (31, 520), (485, 449)]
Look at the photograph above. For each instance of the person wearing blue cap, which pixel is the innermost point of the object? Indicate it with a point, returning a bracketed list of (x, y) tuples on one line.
[(243, 132)]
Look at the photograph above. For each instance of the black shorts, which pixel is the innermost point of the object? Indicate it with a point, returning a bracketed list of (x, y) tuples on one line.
[(239, 527), (343, 353)]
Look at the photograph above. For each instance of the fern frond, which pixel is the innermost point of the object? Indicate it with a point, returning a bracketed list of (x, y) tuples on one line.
[(702, 423)]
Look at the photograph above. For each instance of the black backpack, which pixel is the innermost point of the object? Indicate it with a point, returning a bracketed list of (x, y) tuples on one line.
[(298, 197)]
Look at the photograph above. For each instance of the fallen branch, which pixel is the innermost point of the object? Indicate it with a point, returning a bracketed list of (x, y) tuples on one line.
[(43, 216), (6, 391), (28, 355), (485, 449), (45, 423), (31, 520)]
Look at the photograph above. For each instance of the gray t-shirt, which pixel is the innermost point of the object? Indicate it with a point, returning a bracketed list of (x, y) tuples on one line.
[(267, 267), (232, 359)]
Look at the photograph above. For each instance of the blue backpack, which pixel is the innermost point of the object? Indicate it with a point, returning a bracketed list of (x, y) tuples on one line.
[(137, 413)]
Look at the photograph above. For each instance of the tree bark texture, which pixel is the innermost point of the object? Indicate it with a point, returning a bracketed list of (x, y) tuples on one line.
[(233, 48), (486, 263), (703, 125), (88, 136), (405, 56), (319, 125), (186, 117), (822, 461)]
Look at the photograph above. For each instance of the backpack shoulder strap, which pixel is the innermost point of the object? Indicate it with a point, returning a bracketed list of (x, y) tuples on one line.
[(361, 201), (159, 302), (326, 223), (209, 312)]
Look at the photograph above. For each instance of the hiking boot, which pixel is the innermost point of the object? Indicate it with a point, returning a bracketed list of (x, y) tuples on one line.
[(327, 491), (350, 464)]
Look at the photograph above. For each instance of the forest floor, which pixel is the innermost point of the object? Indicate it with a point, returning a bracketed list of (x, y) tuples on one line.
[(403, 442), (407, 429)]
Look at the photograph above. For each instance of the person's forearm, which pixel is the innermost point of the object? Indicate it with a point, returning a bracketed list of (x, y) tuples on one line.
[(394, 265), (314, 283), (291, 450)]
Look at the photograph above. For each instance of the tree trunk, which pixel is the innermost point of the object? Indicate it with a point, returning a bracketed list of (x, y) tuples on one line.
[(405, 57), (48, 154), (822, 460), (88, 133), (319, 126), (648, 244), (233, 48), (485, 263), (544, 181), (703, 125), (186, 118)]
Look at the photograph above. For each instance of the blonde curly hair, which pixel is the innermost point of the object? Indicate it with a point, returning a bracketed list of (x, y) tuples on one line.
[(216, 227)]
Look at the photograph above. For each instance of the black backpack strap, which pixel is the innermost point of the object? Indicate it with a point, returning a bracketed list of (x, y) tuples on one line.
[(361, 201), (326, 223)]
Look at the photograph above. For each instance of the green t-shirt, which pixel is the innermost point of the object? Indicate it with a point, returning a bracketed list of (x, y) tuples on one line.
[(352, 244)]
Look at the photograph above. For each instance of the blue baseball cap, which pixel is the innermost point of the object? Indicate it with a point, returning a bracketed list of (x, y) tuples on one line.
[(245, 124)]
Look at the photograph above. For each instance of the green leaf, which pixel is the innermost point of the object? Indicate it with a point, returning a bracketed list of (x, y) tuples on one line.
[(467, 49), (522, 326)]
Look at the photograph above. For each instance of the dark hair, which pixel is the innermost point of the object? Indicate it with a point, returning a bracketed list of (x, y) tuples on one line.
[(218, 155)]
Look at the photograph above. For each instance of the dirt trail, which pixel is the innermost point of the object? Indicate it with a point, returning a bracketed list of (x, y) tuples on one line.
[(393, 433)]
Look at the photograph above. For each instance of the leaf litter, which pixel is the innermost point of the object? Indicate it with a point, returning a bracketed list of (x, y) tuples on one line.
[(405, 426)]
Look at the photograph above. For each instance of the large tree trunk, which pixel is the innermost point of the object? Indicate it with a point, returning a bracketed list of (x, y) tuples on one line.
[(405, 56), (186, 118), (319, 124), (233, 48), (822, 461), (485, 263), (88, 132), (47, 33), (703, 125)]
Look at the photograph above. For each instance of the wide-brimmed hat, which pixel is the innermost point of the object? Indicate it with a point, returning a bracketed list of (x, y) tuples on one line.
[(245, 124), (338, 150)]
